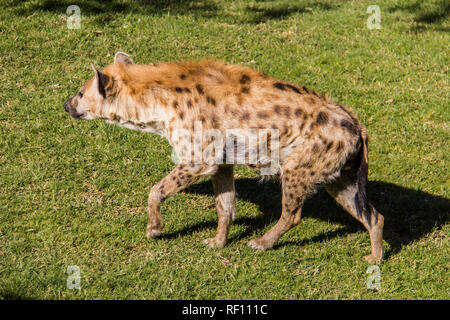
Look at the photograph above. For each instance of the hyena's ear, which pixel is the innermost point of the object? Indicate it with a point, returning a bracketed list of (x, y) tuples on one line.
[(122, 57), (102, 81)]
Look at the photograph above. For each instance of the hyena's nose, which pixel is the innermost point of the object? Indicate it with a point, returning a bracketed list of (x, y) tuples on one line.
[(67, 104)]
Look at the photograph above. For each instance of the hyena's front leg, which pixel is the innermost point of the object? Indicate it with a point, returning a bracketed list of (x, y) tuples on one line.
[(179, 178), (223, 184)]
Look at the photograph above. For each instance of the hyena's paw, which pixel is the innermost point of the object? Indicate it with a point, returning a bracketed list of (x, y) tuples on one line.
[(373, 259), (214, 242), (153, 232), (260, 244)]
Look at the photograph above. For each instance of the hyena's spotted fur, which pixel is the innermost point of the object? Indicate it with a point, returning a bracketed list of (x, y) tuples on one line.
[(320, 142)]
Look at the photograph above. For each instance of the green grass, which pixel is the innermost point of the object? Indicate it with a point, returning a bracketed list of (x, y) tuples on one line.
[(75, 192)]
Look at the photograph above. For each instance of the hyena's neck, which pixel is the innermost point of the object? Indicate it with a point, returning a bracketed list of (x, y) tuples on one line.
[(144, 112)]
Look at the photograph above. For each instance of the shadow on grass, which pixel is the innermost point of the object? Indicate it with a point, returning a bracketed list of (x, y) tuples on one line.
[(426, 14), (409, 214), (261, 14), (111, 7), (14, 294), (105, 10)]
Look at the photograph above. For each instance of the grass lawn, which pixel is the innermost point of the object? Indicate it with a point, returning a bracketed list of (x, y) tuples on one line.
[(75, 192)]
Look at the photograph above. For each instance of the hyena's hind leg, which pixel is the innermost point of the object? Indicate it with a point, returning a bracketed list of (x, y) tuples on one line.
[(295, 189), (223, 185), (350, 191), (179, 178)]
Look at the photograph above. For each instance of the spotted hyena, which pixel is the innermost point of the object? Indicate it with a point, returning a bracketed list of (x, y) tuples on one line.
[(315, 141)]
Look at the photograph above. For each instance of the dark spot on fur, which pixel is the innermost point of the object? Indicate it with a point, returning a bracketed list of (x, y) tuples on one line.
[(342, 108), (178, 89), (244, 79), (329, 145), (315, 148), (298, 112), (182, 76), (322, 118), (302, 126), (340, 146), (175, 104), (189, 103), (211, 100), (245, 116), (277, 109), (245, 90), (308, 164), (293, 88), (262, 115), (350, 127), (316, 94), (279, 86), (181, 114), (187, 90), (199, 89)]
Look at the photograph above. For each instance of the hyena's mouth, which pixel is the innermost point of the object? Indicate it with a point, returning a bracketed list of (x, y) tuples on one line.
[(71, 110)]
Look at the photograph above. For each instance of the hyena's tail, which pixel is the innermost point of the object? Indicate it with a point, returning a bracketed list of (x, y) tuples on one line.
[(363, 206)]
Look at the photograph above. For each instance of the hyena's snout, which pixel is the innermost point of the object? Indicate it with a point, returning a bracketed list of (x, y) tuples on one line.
[(71, 109), (67, 105)]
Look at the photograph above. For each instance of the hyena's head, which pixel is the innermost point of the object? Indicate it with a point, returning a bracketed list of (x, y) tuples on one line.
[(98, 92)]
